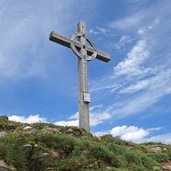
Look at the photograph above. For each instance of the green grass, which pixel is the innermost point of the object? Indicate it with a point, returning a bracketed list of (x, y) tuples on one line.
[(64, 150)]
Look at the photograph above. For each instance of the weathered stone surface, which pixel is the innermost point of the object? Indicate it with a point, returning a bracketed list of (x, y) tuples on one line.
[(44, 155), (166, 166), (51, 130), (5, 167), (164, 149), (54, 154), (3, 133), (74, 131), (27, 128), (154, 149), (28, 145)]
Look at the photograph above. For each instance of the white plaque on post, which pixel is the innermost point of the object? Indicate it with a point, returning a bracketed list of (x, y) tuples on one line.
[(87, 97)]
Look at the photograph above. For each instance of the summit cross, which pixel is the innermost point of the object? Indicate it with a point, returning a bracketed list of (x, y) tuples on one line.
[(85, 52)]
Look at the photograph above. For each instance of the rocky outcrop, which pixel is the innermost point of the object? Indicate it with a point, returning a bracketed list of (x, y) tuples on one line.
[(156, 149), (5, 167), (166, 166)]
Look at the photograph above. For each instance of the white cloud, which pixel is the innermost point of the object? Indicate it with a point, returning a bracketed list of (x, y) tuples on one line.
[(162, 79), (38, 118), (154, 89), (154, 129), (29, 119), (24, 37), (97, 116), (142, 78), (129, 133), (101, 31), (135, 87), (142, 20), (164, 138), (74, 116), (131, 66), (136, 134), (67, 123), (95, 119), (128, 22), (123, 41), (92, 31)]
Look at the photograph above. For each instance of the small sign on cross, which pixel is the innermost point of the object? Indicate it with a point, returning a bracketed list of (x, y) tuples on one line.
[(85, 53)]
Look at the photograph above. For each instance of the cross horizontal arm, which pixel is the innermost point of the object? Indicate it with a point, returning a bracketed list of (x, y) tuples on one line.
[(62, 40)]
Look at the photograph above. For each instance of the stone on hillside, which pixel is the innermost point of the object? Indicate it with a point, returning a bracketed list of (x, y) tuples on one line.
[(56, 130), (48, 130), (5, 167), (28, 145), (3, 134), (164, 149), (27, 128), (166, 166), (155, 149), (35, 145), (43, 155), (55, 154), (74, 131)]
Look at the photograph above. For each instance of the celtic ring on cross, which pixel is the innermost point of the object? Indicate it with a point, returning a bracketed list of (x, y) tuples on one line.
[(78, 35)]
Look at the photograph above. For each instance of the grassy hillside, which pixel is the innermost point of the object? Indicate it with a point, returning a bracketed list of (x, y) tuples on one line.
[(43, 147)]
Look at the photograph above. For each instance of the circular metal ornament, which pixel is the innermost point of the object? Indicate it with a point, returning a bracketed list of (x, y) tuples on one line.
[(74, 49)]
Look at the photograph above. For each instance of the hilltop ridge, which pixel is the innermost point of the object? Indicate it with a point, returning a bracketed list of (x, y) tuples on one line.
[(47, 147)]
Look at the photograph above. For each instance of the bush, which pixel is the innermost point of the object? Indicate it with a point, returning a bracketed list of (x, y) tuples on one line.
[(42, 125), (102, 153), (3, 118), (159, 157)]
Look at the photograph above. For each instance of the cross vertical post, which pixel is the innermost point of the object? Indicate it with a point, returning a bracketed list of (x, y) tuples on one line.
[(83, 81)]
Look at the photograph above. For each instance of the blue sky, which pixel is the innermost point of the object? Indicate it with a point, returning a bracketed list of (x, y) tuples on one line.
[(131, 95)]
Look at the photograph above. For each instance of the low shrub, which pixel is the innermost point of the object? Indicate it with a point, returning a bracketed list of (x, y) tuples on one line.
[(159, 157)]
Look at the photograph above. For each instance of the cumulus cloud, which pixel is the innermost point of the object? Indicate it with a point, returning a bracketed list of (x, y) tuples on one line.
[(38, 118), (29, 119), (133, 134), (129, 133)]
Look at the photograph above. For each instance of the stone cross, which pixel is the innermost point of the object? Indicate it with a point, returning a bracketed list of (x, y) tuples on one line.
[(85, 52)]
